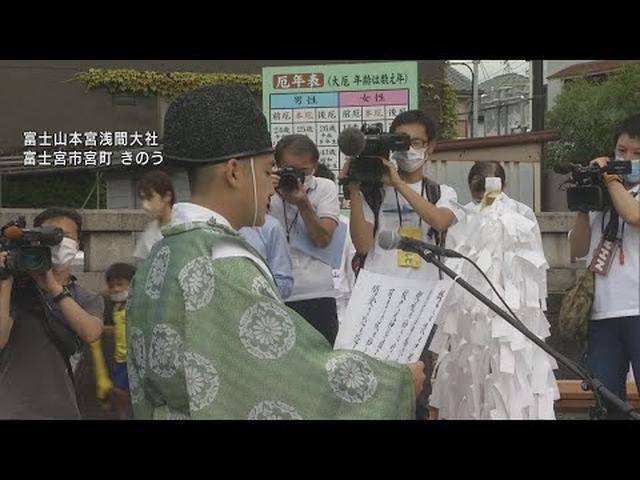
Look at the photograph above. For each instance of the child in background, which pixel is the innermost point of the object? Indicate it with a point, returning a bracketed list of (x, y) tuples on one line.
[(118, 277)]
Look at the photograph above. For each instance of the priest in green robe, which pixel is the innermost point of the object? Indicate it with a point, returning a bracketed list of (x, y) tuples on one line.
[(208, 335)]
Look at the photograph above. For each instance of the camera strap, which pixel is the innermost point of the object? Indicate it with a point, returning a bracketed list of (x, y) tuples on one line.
[(433, 196), (52, 316), (286, 222), (422, 190), (609, 243), (610, 232), (288, 228)]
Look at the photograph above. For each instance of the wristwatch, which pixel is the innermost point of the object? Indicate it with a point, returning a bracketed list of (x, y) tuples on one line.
[(65, 293)]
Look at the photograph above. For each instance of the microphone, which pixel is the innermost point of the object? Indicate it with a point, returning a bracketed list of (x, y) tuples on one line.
[(351, 141), (13, 233), (563, 168), (45, 235), (390, 240)]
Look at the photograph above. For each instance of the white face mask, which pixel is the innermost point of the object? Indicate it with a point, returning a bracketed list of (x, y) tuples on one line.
[(63, 254), (308, 179), (411, 160), (119, 297), (634, 176)]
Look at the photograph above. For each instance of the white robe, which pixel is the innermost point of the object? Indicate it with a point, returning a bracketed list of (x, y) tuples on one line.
[(487, 369)]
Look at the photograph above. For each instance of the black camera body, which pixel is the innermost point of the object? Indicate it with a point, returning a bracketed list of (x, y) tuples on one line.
[(28, 249), (587, 191), (289, 177), (367, 167)]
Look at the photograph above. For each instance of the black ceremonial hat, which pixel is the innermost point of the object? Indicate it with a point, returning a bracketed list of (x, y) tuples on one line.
[(213, 124)]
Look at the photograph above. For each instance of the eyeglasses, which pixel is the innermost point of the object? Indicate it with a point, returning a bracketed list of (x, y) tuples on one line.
[(418, 143)]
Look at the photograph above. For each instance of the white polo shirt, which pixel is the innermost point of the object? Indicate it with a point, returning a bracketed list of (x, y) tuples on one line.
[(386, 261), (617, 294), (311, 277)]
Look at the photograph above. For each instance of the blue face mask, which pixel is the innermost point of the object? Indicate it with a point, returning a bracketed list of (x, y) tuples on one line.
[(634, 176)]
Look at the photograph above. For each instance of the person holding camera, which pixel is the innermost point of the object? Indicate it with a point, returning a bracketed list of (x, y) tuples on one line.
[(409, 203), (307, 206), (44, 318), (610, 241)]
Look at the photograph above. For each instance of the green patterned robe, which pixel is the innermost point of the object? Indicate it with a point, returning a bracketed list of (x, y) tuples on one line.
[(209, 338)]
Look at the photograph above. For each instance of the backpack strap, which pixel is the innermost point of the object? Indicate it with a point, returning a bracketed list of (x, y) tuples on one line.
[(46, 320), (372, 194), (434, 192)]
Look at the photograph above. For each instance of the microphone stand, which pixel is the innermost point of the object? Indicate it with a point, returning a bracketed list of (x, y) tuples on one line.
[(588, 382)]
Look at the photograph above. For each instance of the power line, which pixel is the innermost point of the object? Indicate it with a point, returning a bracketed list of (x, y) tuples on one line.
[(484, 70), (521, 64), (500, 72)]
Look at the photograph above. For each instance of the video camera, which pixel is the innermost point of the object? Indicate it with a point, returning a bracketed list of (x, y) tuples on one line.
[(587, 191), (368, 146), (28, 248)]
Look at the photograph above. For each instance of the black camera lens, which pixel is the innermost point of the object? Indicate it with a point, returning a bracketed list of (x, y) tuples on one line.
[(35, 259), (288, 183), (33, 262), (289, 179)]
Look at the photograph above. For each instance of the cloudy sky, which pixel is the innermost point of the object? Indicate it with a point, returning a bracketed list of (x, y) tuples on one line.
[(491, 68)]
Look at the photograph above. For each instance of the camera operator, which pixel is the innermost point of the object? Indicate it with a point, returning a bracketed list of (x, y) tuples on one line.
[(614, 329), (408, 204), (44, 317), (314, 202)]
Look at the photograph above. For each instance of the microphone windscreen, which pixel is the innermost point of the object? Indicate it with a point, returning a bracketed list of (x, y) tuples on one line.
[(388, 240), (563, 168), (351, 141), (13, 232)]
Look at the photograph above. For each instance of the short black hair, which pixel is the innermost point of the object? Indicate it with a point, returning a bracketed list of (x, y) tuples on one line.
[(481, 170), (120, 271), (296, 144), (156, 181), (59, 212), (323, 171), (192, 175), (416, 116), (195, 172), (630, 126)]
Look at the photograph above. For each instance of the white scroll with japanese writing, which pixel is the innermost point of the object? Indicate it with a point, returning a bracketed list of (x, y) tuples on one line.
[(391, 318)]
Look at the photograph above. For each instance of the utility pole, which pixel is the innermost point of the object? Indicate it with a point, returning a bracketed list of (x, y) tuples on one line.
[(474, 104), (538, 101), (476, 98)]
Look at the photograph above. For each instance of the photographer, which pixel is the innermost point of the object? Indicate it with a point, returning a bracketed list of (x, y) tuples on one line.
[(410, 204), (406, 204), (44, 317), (309, 208), (614, 329)]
